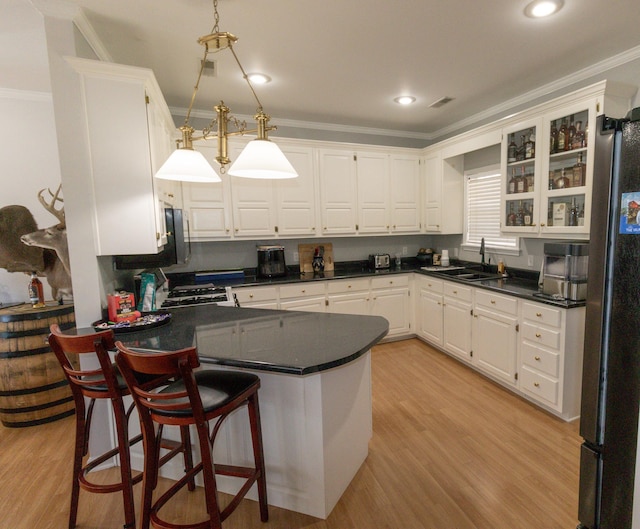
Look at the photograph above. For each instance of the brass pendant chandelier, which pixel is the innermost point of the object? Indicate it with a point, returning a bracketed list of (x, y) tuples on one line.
[(261, 158)]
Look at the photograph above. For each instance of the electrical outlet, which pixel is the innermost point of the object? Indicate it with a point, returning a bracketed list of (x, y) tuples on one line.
[(404, 250), (296, 257), (530, 260)]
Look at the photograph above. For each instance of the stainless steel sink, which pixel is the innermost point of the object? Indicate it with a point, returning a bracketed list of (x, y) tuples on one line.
[(467, 274)]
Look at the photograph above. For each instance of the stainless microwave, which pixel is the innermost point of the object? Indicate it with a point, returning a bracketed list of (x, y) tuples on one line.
[(177, 250)]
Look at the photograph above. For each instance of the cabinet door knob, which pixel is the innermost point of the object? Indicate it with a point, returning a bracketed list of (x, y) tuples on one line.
[(536, 384), (455, 291), (538, 335), (250, 295), (542, 224), (536, 358), (303, 290), (493, 301), (539, 314)]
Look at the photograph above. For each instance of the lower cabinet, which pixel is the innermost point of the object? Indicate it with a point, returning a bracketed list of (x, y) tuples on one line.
[(429, 313), (495, 335), (457, 316), (390, 299), (308, 297), (532, 348), (348, 296), (257, 297)]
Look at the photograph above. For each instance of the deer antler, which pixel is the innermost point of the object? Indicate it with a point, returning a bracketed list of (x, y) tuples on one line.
[(51, 206)]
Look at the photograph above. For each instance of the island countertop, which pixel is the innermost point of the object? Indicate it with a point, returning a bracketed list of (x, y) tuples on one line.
[(296, 343)]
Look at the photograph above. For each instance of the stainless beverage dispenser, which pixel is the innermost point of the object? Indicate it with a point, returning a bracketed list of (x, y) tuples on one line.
[(565, 269)]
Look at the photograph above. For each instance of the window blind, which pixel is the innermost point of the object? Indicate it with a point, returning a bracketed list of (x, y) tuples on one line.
[(482, 211)]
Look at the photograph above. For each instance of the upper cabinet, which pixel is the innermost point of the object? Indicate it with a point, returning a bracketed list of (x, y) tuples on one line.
[(338, 191), (443, 193), (405, 193), (547, 163), (128, 136)]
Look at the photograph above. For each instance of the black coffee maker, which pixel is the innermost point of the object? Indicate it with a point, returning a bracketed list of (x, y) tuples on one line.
[(271, 262)]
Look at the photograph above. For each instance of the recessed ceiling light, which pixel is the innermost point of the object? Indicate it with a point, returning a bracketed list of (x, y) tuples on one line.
[(543, 8), (258, 78), (405, 100)]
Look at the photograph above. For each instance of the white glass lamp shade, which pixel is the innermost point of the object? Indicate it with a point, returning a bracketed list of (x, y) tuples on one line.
[(187, 165), (262, 159)]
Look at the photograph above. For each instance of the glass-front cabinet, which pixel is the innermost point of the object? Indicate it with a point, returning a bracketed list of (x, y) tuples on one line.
[(568, 167), (520, 183), (547, 171)]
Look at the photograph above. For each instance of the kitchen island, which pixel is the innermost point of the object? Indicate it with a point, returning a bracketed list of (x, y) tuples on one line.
[(315, 395)]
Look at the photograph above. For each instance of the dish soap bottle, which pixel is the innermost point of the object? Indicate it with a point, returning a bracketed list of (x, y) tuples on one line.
[(36, 293)]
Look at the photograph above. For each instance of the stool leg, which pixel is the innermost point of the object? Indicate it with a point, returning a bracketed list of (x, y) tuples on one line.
[(150, 474), (78, 454), (122, 430), (209, 476), (185, 436), (258, 454)]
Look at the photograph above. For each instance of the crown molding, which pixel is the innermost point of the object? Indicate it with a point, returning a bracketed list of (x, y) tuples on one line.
[(542, 91), (25, 95)]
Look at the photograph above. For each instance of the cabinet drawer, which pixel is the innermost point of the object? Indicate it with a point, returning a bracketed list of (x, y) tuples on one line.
[(348, 285), (302, 290), (539, 386), (492, 301), (547, 362), (245, 295), (454, 290), (541, 335), (390, 281), (432, 285), (542, 314)]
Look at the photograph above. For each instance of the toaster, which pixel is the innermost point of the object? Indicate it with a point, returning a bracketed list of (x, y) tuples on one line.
[(379, 260)]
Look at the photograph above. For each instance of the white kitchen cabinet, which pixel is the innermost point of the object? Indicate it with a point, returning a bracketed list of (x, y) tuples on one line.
[(127, 122), (258, 297), (405, 193), (457, 319), (390, 298), (372, 170), (430, 310), (494, 335), (348, 296), (338, 191), (552, 341), (443, 193), (296, 197), (307, 296), (208, 205), (253, 203)]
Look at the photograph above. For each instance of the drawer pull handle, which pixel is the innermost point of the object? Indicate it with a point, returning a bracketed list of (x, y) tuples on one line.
[(536, 358), (539, 314), (536, 384), (455, 291), (538, 335), (250, 295), (303, 290), (493, 301)]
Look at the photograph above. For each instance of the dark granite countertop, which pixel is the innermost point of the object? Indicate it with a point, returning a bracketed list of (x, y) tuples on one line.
[(291, 342), (520, 283)]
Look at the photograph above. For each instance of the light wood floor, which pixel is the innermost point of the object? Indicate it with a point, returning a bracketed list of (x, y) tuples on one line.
[(450, 450)]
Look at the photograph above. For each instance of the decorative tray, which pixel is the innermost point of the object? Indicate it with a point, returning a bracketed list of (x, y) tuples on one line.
[(148, 320)]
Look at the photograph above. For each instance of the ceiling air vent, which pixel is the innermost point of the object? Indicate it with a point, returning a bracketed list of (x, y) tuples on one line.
[(440, 102), (209, 68)]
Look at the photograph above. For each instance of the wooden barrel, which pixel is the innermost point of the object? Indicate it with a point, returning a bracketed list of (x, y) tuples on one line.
[(33, 388)]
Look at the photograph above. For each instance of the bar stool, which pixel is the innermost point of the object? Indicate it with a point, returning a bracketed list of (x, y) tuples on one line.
[(194, 398), (104, 382)]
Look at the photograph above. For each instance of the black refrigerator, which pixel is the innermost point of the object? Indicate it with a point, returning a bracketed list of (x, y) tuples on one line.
[(611, 370)]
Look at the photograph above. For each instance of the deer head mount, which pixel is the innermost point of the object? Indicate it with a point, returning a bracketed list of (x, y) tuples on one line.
[(25, 248)]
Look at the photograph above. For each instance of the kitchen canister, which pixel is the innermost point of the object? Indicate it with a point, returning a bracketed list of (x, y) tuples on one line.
[(444, 260), (33, 388)]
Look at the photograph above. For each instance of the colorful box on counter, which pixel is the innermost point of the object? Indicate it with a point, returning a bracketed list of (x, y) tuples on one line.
[(122, 307)]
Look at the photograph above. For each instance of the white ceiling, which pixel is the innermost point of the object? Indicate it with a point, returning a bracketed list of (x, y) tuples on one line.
[(343, 61)]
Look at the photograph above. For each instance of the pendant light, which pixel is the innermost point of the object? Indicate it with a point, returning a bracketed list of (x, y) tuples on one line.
[(261, 158)]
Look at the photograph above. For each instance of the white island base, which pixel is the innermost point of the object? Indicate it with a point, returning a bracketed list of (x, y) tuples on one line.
[(316, 430)]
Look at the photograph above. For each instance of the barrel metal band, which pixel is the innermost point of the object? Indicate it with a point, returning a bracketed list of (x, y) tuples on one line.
[(42, 406), (37, 389), (9, 335), (44, 315)]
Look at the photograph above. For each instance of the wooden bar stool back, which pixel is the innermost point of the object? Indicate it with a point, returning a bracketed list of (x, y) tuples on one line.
[(87, 386), (194, 398)]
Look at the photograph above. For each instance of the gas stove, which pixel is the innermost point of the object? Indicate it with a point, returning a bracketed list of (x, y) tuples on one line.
[(185, 295)]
